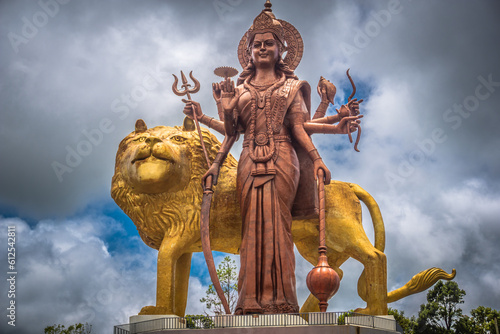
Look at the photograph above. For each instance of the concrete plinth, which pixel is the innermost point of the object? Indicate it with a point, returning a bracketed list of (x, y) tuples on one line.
[(258, 320), (306, 323), (381, 321), (344, 329), (143, 323)]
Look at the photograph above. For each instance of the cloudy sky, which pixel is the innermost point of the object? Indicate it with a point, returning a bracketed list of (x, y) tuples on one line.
[(75, 75)]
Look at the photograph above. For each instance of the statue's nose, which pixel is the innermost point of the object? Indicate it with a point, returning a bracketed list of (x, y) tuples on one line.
[(152, 140)]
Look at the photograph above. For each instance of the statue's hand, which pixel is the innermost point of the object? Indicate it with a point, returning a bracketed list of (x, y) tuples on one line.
[(319, 164), (350, 109), (351, 121), (213, 171), (326, 90), (216, 91), (353, 106), (343, 111), (190, 107), (228, 95)]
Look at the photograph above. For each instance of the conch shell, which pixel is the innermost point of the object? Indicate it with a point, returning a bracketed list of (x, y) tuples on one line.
[(327, 86)]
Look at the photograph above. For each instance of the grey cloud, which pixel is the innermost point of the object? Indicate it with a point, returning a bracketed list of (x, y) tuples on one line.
[(66, 275)]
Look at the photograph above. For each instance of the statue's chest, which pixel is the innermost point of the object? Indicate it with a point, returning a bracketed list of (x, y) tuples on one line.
[(268, 111)]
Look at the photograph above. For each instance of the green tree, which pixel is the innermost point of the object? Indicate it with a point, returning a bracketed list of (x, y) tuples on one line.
[(199, 321), (483, 319), (441, 311), (228, 277), (73, 329), (464, 325), (407, 324)]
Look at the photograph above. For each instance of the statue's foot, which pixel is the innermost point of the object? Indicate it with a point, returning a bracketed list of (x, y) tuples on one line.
[(155, 310)]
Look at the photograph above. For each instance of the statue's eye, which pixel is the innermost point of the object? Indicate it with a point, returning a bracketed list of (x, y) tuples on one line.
[(140, 139), (178, 139)]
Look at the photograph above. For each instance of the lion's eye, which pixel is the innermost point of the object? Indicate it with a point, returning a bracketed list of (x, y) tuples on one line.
[(178, 139), (140, 139)]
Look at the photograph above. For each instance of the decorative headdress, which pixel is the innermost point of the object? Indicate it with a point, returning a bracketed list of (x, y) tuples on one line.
[(285, 32)]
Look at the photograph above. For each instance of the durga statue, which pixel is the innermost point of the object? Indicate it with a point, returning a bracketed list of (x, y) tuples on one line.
[(279, 163)]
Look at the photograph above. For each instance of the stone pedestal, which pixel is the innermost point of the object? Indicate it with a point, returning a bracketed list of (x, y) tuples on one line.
[(143, 323), (259, 320), (308, 323), (381, 321), (344, 329)]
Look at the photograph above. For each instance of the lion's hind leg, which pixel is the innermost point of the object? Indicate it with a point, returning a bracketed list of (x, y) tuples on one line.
[(372, 284)]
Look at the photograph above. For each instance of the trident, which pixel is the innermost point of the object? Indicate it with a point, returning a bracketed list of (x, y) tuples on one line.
[(188, 91)]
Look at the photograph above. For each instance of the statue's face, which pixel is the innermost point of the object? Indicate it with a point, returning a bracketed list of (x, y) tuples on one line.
[(152, 160), (265, 50)]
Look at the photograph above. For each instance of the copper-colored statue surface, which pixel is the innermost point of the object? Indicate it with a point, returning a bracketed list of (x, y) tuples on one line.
[(161, 181), (270, 106)]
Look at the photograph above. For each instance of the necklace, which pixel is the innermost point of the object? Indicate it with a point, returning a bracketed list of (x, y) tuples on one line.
[(262, 102)]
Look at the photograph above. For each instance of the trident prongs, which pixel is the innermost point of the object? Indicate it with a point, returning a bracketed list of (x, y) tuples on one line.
[(187, 91), (185, 85)]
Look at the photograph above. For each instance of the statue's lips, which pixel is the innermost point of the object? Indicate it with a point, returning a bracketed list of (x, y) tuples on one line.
[(149, 158)]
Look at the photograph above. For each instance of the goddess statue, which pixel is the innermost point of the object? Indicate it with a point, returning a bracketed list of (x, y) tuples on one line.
[(270, 106)]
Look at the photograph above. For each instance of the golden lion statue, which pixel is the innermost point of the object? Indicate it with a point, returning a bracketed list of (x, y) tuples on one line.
[(157, 183)]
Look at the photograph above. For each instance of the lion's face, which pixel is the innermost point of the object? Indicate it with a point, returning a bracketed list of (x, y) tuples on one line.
[(154, 160)]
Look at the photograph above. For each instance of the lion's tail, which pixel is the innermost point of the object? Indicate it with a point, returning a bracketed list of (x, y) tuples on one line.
[(378, 222), (420, 282)]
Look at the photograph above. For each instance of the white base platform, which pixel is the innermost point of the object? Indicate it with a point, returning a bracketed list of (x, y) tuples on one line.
[(143, 323)]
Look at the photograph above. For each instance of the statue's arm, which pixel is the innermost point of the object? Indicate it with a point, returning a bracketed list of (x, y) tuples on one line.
[(202, 118), (327, 120), (214, 169), (349, 109), (341, 128), (213, 123), (321, 111), (296, 117)]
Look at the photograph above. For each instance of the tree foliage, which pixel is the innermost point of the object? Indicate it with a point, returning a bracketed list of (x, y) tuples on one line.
[(481, 321), (199, 322), (407, 324), (228, 277), (441, 311), (73, 329), (442, 315)]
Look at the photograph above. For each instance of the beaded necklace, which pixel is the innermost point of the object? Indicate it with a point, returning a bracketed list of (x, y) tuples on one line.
[(267, 111)]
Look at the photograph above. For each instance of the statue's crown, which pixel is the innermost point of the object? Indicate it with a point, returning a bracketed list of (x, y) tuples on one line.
[(266, 22)]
